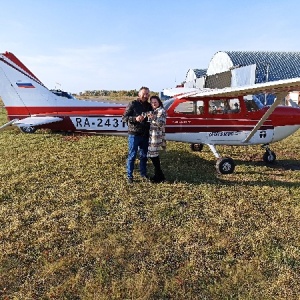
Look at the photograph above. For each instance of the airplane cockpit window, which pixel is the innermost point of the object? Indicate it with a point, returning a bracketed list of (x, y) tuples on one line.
[(253, 103), (224, 106), (190, 107)]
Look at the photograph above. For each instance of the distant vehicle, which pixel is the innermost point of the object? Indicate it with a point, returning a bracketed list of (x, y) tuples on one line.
[(230, 116)]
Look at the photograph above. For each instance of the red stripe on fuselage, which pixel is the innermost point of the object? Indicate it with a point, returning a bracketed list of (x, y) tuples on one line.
[(64, 111)]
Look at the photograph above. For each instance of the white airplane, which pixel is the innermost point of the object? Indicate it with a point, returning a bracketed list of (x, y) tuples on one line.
[(230, 116)]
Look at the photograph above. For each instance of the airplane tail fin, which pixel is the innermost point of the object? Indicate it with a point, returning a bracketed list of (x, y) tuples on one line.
[(21, 91), (25, 96), (14, 59)]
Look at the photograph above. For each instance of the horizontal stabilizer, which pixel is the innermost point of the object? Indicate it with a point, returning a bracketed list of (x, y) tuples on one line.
[(30, 121), (10, 123), (37, 121)]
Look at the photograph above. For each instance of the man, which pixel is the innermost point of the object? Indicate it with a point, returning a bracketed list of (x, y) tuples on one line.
[(138, 132)]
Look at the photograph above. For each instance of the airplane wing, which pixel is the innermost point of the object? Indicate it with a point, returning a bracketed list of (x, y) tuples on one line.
[(181, 92), (271, 87), (280, 87), (31, 121)]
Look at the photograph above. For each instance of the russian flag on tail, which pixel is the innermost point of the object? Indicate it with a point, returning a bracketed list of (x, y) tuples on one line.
[(25, 85)]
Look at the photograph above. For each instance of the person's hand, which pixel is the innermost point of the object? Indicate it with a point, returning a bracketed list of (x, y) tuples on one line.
[(140, 118)]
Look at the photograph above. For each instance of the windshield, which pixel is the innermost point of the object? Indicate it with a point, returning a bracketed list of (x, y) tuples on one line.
[(168, 103)]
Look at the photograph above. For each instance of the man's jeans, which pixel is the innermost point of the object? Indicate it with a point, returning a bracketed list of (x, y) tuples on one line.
[(136, 143)]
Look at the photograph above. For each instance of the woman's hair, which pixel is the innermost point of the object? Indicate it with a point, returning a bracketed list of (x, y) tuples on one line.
[(158, 99)]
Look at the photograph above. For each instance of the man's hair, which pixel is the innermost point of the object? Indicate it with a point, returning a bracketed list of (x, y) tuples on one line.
[(144, 88)]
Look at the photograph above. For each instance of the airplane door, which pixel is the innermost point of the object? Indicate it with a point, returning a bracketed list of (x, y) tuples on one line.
[(225, 122), (186, 121)]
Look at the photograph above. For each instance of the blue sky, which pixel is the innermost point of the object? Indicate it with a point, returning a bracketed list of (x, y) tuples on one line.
[(81, 45)]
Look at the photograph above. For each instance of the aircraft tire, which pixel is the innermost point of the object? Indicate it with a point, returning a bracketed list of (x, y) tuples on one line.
[(28, 129), (197, 147), (225, 165), (269, 157)]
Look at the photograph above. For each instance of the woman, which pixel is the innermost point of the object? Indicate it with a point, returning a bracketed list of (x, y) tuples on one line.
[(157, 141)]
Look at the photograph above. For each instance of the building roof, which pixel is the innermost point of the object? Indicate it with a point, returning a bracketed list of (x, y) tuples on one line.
[(270, 65), (200, 72)]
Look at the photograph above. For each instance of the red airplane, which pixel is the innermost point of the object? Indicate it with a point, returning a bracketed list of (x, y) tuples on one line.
[(229, 116)]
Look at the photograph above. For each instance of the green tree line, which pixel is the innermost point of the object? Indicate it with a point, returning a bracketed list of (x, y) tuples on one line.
[(109, 93)]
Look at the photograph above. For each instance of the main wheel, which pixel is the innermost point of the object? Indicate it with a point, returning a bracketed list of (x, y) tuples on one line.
[(28, 129), (225, 165), (269, 157), (196, 147)]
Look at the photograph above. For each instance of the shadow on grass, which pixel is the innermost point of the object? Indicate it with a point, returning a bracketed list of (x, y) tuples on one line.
[(280, 165), (284, 165), (186, 167)]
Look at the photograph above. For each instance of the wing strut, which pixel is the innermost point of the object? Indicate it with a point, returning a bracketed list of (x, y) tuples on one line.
[(278, 100)]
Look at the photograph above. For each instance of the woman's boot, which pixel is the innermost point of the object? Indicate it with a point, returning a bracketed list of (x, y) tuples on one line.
[(158, 173)]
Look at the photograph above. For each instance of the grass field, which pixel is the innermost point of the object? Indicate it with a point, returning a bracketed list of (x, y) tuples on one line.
[(72, 228)]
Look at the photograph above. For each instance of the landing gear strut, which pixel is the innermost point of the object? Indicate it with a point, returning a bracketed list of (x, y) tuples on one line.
[(224, 165)]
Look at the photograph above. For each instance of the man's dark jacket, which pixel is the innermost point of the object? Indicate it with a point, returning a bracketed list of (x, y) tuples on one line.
[(134, 109)]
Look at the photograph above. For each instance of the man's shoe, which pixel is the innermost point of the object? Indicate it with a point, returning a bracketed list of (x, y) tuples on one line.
[(130, 180)]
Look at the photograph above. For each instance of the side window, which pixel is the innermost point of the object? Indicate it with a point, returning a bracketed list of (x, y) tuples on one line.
[(186, 107), (190, 107), (224, 106), (199, 107), (253, 103)]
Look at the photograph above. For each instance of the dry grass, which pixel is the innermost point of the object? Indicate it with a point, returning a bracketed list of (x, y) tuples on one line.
[(71, 227)]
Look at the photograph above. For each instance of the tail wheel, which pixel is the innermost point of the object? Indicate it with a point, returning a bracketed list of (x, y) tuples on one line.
[(225, 165), (28, 129), (197, 147), (269, 157)]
